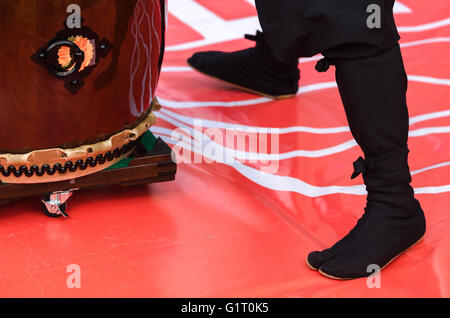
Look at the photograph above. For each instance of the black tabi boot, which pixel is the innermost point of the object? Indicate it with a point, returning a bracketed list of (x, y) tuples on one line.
[(373, 91), (393, 220), (255, 69)]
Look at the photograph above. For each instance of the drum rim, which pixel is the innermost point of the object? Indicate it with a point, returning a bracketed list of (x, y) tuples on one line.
[(119, 142)]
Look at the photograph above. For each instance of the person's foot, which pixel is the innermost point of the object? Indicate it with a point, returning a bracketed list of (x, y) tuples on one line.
[(318, 258), (393, 222), (255, 69), (383, 237)]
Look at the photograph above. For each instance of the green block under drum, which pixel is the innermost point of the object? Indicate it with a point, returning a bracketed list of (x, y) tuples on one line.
[(148, 140)]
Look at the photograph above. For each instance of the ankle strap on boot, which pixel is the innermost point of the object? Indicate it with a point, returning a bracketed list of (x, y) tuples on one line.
[(359, 166), (391, 161), (324, 64), (258, 37)]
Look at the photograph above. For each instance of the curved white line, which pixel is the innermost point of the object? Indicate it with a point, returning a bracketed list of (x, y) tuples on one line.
[(179, 69), (167, 133), (162, 131), (238, 127), (287, 130), (276, 182), (153, 81), (425, 41), (432, 190), (134, 63), (290, 184), (195, 104), (243, 155), (147, 51), (429, 116), (424, 27), (429, 131), (302, 90), (436, 166), (176, 69), (192, 104), (429, 80)]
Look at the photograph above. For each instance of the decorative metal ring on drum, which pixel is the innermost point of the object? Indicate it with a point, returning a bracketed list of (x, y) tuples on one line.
[(77, 84)]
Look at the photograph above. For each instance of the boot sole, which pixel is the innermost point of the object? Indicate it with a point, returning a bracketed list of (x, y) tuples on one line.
[(340, 278), (278, 97)]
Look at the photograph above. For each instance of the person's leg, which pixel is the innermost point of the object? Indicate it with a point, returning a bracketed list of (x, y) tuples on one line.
[(373, 91), (254, 69), (372, 83)]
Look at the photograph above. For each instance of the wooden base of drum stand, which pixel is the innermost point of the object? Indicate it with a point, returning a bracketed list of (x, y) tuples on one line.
[(142, 167)]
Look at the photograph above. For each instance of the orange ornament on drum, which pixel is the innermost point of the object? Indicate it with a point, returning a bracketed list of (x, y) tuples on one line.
[(77, 84)]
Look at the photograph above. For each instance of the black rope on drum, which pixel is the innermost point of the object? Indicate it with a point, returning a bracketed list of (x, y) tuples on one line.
[(69, 165)]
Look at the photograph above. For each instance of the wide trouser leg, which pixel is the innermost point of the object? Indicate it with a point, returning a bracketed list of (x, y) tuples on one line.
[(337, 28)]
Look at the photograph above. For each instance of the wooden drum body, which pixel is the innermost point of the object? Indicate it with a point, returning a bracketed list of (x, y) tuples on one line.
[(77, 84)]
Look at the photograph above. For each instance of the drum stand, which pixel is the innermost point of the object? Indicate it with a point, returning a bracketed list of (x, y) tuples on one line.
[(147, 164)]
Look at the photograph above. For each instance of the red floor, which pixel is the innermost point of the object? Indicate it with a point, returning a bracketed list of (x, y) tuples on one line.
[(232, 229)]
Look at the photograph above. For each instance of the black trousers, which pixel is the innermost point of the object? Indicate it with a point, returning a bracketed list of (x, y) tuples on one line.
[(369, 68), (335, 28)]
